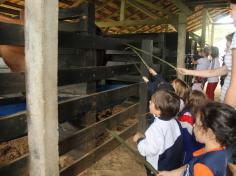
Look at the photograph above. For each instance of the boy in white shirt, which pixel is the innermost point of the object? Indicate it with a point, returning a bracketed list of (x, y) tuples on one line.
[(162, 144)]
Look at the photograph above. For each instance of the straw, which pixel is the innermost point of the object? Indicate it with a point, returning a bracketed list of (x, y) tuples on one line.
[(118, 138)]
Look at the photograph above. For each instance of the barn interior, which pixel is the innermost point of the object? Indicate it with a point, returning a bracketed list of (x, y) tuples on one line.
[(65, 85)]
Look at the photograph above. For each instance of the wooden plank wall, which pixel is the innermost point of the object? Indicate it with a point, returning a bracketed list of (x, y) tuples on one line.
[(70, 41)]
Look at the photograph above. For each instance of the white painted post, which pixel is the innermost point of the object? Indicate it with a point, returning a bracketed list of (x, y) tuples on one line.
[(41, 49), (181, 42)]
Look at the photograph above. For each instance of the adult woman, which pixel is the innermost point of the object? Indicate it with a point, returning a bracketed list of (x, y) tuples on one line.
[(224, 70)]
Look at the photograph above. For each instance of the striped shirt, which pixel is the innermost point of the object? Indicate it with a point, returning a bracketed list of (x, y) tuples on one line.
[(228, 63)]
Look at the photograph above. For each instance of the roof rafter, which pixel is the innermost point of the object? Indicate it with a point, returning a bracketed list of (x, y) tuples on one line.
[(182, 6), (122, 9), (2, 1), (142, 9), (134, 22), (156, 6)]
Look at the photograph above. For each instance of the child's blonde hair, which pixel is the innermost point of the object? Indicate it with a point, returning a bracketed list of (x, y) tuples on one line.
[(196, 100), (182, 89)]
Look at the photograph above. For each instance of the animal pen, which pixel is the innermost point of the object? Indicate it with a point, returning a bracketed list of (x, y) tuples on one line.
[(71, 76)]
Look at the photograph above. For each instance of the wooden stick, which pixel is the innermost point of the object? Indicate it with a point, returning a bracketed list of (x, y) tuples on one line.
[(146, 65), (118, 138), (137, 49)]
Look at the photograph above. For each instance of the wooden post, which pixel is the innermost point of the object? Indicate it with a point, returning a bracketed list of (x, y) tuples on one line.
[(212, 34), (122, 10), (181, 42), (161, 45), (204, 24), (147, 45), (41, 40)]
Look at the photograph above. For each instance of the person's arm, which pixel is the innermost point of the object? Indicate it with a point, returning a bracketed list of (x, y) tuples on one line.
[(176, 172), (230, 97), (204, 73)]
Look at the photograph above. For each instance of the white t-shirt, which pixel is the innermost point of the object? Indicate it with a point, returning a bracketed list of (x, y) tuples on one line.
[(159, 137), (215, 63), (202, 64)]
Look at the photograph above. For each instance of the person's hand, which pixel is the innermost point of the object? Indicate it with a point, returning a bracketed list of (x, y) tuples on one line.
[(137, 136), (145, 79), (152, 71), (182, 71)]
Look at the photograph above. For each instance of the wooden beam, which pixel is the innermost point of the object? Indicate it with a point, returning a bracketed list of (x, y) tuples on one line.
[(155, 6), (15, 125), (13, 5), (212, 34), (13, 34), (16, 167), (2, 1), (122, 10), (134, 22), (181, 42), (77, 139), (14, 82), (41, 36), (20, 166), (72, 12), (100, 7), (204, 25), (77, 3), (9, 11), (179, 4), (209, 17), (147, 45), (142, 9), (97, 153)]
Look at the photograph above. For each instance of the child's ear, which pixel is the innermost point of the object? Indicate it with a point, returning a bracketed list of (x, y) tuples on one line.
[(158, 112)]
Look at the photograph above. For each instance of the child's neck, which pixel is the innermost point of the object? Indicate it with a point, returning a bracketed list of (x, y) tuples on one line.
[(212, 145)]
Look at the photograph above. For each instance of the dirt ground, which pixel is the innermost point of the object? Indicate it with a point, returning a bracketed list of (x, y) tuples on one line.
[(119, 162)]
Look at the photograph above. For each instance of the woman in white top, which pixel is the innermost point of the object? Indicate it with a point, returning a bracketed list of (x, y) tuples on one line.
[(224, 70), (213, 81)]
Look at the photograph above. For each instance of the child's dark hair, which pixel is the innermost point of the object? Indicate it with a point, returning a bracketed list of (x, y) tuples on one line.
[(182, 89), (206, 51), (197, 99), (229, 37), (167, 102), (221, 119), (214, 52)]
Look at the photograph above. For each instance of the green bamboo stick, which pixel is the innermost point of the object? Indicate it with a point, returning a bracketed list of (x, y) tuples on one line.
[(145, 52), (144, 63), (118, 138)]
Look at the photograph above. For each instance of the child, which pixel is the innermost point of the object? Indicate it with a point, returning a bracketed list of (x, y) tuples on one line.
[(214, 127), (178, 86), (213, 81), (182, 90), (187, 119), (162, 144), (158, 82), (202, 64)]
